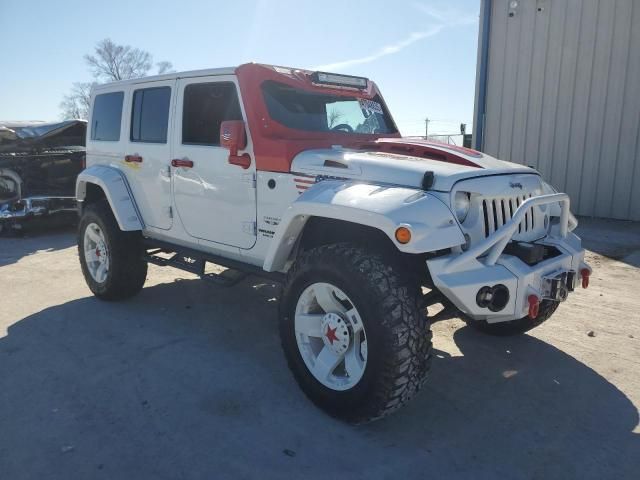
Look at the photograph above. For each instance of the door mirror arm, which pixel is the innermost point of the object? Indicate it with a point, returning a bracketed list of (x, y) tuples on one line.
[(243, 160), (234, 137)]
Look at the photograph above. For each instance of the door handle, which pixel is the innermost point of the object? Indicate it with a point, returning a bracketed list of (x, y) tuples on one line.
[(133, 158), (177, 162)]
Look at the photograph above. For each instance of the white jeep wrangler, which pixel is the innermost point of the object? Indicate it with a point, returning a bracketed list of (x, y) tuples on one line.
[(303, 177)]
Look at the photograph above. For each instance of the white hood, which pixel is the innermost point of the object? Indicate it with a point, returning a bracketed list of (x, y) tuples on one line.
[(391, 168)]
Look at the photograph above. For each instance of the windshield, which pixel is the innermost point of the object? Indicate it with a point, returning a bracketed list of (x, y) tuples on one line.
[(322, 112)]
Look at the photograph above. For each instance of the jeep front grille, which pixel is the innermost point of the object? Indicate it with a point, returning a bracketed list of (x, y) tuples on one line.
[(498, 211)]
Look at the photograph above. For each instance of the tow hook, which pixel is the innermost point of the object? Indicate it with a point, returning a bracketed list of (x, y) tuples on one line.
[(534, 306), (585, 273)]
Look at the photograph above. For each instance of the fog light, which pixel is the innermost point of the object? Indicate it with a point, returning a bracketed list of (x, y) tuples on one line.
[(500, 298), (403, 235), (494, 298), (484, 296)]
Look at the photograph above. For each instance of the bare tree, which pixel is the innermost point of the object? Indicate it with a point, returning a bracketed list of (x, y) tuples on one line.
[(164, 67), (118, 62), (76, 103), (110, 62)]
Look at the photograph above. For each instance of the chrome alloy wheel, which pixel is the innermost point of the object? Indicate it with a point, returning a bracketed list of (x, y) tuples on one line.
[(330, 336), (96, 253)]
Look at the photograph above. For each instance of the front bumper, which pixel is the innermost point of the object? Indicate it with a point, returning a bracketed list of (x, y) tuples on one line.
[(16, 212), (464, 278)]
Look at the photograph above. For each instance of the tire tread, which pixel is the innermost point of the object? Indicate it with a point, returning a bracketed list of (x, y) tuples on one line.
[(406, 369), (128, 270)]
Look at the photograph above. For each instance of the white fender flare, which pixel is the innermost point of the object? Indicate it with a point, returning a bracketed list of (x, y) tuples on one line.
[(385, 208), (116, 188)]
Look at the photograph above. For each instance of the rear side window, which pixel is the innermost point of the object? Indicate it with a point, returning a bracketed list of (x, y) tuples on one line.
[(107, 114), (206, 106), (150, 115)]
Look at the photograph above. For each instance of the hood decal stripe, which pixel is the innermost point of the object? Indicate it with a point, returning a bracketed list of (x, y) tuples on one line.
[(425, 149)]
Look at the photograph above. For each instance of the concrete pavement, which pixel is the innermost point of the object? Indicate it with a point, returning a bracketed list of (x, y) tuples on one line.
[(187, 380)]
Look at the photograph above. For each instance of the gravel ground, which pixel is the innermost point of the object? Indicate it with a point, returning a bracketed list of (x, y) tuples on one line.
[(187, 380)]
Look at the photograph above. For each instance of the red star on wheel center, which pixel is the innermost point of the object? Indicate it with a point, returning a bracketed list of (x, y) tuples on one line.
[(331, 334)]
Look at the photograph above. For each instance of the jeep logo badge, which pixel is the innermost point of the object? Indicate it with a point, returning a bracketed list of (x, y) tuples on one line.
[(515, 185)]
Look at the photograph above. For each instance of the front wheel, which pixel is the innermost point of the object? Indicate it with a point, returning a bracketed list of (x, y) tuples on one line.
[(352, 332), (111, 260)]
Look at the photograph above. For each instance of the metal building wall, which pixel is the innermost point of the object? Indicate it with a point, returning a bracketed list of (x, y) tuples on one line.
[(563, 96)]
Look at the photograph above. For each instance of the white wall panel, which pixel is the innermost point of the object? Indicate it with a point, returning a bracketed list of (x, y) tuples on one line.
[(563, 95)]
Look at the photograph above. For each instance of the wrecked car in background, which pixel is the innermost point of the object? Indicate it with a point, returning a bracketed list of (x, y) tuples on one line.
[(39, 163)]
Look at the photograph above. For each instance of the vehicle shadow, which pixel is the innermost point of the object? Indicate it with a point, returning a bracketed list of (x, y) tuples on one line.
[(520, 408), (187, 380), (13, 246)]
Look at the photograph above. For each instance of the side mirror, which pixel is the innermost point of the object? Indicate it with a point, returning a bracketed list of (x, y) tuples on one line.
[(234, 137)]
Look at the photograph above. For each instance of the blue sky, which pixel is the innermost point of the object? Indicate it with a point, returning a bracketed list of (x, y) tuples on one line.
[(421, 53)]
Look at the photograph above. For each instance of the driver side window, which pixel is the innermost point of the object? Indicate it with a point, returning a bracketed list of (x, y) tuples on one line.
[(205, 107)]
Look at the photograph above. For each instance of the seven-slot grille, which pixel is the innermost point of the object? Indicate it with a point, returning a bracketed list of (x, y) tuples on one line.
[(498, 211)]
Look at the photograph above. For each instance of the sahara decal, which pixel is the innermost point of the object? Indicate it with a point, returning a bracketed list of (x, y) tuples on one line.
[(275, 221)]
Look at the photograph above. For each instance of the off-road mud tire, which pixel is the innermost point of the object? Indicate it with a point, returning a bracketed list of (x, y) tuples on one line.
[(398, 334), (127, 270)]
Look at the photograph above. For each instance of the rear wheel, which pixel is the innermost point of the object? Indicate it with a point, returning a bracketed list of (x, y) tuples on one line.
[(352, 333), (518, 326), (111, 260)]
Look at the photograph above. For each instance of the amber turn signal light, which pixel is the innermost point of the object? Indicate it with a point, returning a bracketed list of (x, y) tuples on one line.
[(403, 235)]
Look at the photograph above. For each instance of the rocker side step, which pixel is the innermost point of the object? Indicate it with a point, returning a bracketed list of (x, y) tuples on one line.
[(194, 261)]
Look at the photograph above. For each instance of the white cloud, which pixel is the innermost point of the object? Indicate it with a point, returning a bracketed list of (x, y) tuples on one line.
[(436, 14), (447, 16), (444, 18), (384, 51)]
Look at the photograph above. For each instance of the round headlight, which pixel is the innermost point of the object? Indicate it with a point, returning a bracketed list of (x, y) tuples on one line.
[(545, 189), (461, 205)]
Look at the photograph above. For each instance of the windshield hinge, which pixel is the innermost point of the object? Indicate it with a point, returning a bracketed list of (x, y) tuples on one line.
[(250, 178)]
